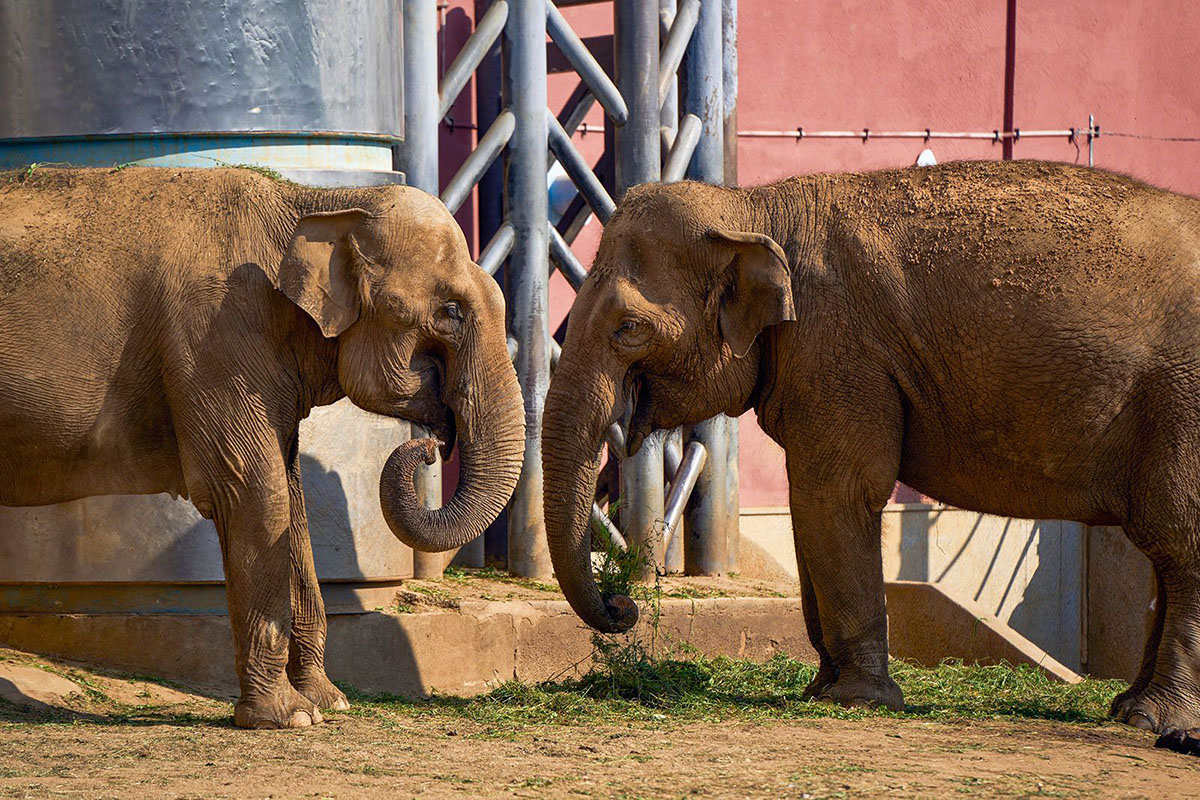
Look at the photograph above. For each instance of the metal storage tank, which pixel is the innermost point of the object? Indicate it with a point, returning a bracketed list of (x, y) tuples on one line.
[(312, 89)]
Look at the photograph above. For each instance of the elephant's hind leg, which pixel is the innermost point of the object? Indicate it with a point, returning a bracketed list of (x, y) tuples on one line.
[(1168, 700), (1149, 655), (306, 652)]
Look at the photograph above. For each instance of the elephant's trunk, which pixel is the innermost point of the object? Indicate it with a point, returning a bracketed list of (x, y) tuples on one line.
[(489, 413), (579, 407)]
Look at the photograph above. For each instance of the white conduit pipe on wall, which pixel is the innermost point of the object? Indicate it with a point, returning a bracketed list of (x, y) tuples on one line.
[(867, 134)]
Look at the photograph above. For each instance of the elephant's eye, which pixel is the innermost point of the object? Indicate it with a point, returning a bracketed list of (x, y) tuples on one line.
[(452, 311), (631, 333)]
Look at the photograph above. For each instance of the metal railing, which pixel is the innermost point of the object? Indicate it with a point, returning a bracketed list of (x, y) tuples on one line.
[(646, 140)]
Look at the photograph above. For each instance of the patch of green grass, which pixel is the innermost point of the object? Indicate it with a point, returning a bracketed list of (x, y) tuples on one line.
[(696, 593), (463, 575), (627, 685), (430, 595), (266, 172)]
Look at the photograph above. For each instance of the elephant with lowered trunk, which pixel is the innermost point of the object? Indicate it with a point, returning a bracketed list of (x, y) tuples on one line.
[(167, 330), (1018, 338)]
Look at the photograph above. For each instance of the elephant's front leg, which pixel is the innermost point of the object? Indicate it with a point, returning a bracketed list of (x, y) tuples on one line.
[(840, 540), (306, 655), (254, 529), (826, 671)]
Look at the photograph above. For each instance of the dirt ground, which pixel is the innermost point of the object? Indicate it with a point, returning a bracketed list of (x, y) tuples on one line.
[(123, 738)]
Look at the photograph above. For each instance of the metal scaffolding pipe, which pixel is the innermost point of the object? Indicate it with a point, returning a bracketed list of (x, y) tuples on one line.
[(677, 41), (526, 201), (604, 526), (579, 172), (568, 264), (682, 485), (474, 50), (479, 161), (421, 169), (704, 547), (586, 65), (498, 248), (668, 115), (638, 161), (672, 457), (684, 146), (729, 91), (489, 202)]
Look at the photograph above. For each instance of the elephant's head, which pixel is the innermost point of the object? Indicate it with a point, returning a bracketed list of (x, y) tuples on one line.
[(420, 335), (662, 334)]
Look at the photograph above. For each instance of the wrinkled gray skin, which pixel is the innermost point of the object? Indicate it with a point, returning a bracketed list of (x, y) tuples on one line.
[(166, 330), (1010, 337)]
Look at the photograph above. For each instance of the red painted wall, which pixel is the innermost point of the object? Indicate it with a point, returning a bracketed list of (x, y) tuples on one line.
[(916, 64)]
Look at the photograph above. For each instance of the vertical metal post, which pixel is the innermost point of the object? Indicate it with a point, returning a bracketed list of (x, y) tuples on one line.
[(729, 89), (635, 24), (1091, 140), (526, 200), (421, 169), (1010, 65), (488, 91), (707, 514), (669, 120)]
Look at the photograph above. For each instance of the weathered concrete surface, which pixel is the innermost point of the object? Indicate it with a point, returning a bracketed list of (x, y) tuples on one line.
[(927, 625), (1120, 604), (481, 643), (1029, 574)]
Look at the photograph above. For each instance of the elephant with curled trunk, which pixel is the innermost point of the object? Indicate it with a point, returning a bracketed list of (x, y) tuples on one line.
[(167, 330), (1017, 338)]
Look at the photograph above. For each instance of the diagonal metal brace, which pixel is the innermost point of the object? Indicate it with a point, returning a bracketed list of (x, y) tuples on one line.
[(682, 148), (498, 248), (585, 64), (474, 50), (564, 258), (677, 41), (460, 186), (682, 485), (578, 170)]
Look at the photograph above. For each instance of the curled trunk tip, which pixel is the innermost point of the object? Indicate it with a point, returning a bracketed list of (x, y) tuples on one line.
[(396, 480), (622, 612)]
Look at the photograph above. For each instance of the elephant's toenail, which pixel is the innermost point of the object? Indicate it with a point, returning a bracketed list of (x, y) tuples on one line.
[(1139, 720), (300, 719)]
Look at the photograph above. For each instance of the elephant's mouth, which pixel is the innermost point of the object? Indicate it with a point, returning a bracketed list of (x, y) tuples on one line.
[(445, 431), (636, 416)]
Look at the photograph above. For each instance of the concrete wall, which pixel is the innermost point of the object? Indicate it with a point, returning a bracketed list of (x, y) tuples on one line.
[(1084, 595)]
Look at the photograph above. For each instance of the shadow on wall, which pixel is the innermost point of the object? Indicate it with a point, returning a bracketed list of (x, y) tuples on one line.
[(329, 525), (1028, 573)]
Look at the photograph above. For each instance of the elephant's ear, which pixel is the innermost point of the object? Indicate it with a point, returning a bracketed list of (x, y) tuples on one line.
[(755, 290), (318, 271)]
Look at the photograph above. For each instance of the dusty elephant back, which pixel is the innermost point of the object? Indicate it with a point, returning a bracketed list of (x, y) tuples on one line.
[(1005, 292), (102, 275)]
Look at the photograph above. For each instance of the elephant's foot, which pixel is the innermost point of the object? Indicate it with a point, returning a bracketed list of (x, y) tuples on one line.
[(864, 691), (285, 708), (826, 676), (317, 687), (1186, 742), (1159, 709)]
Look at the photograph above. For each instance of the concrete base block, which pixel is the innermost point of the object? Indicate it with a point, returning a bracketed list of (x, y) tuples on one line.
[(927, 625), (480, 644)]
